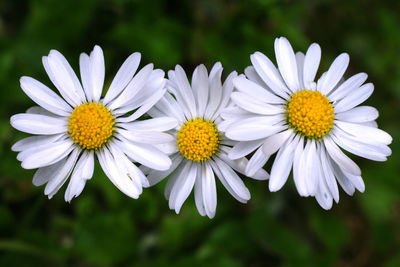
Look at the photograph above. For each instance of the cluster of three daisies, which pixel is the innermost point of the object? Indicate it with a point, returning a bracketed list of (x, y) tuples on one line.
[(202, 129)]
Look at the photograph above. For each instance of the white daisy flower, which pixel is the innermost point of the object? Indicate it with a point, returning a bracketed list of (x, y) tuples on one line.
[(71, 130), (305, 121), (199, 150)]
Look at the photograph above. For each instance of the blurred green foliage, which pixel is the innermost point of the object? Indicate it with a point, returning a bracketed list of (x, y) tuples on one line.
[(105, 227)]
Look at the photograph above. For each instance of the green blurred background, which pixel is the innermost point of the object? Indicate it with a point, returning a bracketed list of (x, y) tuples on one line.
[(105, 227)]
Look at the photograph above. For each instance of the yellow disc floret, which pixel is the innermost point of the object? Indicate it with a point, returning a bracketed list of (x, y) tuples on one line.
[(91, 125), (310, 113), (198, 139)]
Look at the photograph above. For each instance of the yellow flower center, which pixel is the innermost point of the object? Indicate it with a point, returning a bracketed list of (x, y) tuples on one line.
[(310, 113), (91, 125), (198, 139)]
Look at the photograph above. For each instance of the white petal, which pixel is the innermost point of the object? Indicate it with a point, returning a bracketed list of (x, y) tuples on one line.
[(168, 105), (282, 165), (355, 98), (146, 137), (35, 141), (252, 75), (225, 183), (358, 114), (329, 175), (348, 86), (227, 89), (300, 65), (145, 154), (84, 168), (311, 168), (46, 155), (156, 176), (198, 193), (253, 128), (287, 63), (364, 132), (97, 71), (256, 162), (230, 179), (209, 190), (133, 88), (299, 160), (215, 87), (184, 90), (323, 196), (256, 91), (274, 142), (84, 67), (44, 96), (270, 75), (340, 158), (66, 80), (242, 149), (61, 174), (121, 181), (344, 182), (200, 88), (45, 174), (159, 124), (123, 77), (146, 105), (183, 186), (38, 124), (254, 105), (311, 64), (334, 74), (360, 149)]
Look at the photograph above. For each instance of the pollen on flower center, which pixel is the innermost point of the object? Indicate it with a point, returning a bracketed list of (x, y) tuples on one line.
[(91, 125), (310, 113), (198, 139)]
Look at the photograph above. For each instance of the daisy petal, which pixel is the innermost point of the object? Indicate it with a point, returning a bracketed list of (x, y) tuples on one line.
[(256, 91), (123, 77), (97, 72), (242, 149), (38, 124), (198, 193), (287, 65), (358, 114), (334, 74), (254, 105), (183, 186), (35, 141), (230, 179), (365, 132), (46, 155), (44, 96), (355, 98), (158, 124), (209, 191), (274, 142), (133, 88), (156, 176), (147, 137), (348, 86), (145, 154), (329, 175), (253, 129), (61, 174), (340, 158), (282, 165), (66, 80), (311, 64), (270, 75), (256, 162), (200, 88)]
